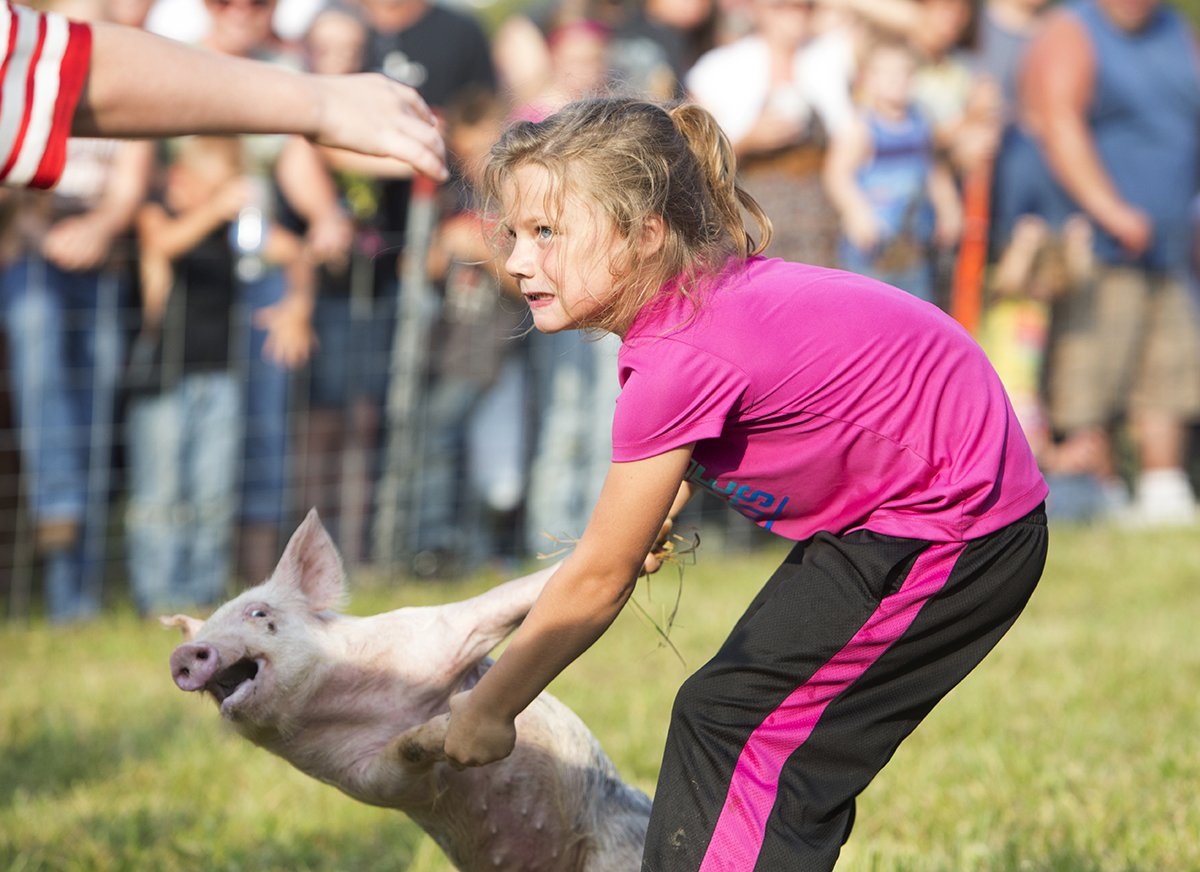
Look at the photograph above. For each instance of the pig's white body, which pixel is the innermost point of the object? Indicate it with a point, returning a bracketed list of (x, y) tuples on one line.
[(347, 700)]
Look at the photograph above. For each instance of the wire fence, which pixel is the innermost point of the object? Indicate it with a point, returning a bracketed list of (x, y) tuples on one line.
[(434, 433)]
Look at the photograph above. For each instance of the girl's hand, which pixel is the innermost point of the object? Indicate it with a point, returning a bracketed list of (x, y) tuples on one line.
[(290, 335), (654, 560), (78, 243), (476, 738), (862, 229)]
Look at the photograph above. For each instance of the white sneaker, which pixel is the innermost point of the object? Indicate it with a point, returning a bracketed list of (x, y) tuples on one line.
[(1162, 498)]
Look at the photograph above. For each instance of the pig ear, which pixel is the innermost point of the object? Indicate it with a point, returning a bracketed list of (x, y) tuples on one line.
[(311, 562), (189, 626)]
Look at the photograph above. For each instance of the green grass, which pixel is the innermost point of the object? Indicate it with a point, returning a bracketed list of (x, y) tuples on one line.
[(1074, 747)]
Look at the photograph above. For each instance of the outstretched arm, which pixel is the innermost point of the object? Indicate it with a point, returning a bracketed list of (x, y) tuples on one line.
[(142, 85), (577, 605)]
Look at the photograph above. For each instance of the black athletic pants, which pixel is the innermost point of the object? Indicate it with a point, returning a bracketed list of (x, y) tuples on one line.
[(849, 645)]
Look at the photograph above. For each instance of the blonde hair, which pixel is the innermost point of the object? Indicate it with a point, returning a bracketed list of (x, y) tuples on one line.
[(633, 159)]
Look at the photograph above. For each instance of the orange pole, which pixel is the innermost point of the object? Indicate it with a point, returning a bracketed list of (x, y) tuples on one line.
[(966, 296)]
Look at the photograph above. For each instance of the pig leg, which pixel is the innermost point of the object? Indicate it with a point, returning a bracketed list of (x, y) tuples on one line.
[(482, 622), (389, 778)]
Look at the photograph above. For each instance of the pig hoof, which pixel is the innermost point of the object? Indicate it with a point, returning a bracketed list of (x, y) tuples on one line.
[(414, 752)]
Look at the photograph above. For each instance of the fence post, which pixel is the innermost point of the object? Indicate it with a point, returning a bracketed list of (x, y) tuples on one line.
[(966, 300), (395, 516)]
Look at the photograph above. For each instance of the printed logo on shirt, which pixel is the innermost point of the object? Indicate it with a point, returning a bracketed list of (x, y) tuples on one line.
[(757, 505)]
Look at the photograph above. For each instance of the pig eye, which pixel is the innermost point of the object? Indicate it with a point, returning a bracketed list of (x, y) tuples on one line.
[(258, 613)]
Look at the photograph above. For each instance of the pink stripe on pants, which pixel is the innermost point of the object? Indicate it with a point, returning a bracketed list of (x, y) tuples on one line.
[(738, 836)]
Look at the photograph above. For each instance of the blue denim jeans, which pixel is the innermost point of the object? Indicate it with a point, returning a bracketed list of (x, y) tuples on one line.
[(65, 350), (577, 397), (353, 358), (265, 447), (183, 461)]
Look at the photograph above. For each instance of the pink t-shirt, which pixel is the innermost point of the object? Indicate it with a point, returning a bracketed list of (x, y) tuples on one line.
[(822, 400)]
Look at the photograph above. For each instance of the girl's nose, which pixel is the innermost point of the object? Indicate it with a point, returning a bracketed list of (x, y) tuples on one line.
[(519, 265)]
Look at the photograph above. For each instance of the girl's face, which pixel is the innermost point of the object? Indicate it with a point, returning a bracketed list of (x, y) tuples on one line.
[(562, 258)]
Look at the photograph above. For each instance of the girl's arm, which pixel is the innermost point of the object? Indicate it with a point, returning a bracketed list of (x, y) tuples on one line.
[(153, 266), (142, 85), (291, 337), (172, 236), (947, 207), (577, 605), (306, 184), (848, 151)]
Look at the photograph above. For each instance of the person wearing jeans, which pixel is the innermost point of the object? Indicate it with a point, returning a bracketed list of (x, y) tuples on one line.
[(64, 352)]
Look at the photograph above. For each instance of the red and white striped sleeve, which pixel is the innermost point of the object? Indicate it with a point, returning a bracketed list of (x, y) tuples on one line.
[(45, 68)]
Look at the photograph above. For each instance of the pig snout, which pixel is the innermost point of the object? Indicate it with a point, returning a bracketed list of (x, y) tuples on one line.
[(193, 665)]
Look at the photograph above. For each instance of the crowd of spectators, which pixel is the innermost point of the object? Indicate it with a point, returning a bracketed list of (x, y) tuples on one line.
[(200, 331)]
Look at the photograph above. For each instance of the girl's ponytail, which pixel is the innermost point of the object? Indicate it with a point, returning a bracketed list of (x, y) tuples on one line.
[(718, 164)]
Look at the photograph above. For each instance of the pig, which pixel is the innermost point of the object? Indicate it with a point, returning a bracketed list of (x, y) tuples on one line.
[(362, 704)]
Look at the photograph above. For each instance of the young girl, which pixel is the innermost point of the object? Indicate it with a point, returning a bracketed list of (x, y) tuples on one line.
[(895, 196), (832, 409)]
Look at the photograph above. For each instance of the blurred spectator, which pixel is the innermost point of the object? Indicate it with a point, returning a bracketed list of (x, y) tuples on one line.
[(896, 198), (522, 59), (1018, 177), (573, 379), (657, 43), (436, 50), (354, 319), (279, 335), (185, 417), (62, 291), (777, 93), (964, 109), (1039, 266), (1003, 33), (477, 333), (1111, 91), (130, 13), (578, 68)]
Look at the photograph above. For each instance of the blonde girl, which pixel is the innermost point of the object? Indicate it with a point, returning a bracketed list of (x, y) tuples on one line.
[(833, 410)]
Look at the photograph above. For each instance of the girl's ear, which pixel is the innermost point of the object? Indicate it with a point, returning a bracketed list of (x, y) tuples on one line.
[(654, 235)]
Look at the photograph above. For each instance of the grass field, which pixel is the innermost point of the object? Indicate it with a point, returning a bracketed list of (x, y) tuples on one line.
[(1074, 747)]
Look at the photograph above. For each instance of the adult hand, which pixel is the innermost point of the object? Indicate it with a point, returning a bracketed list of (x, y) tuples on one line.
[(476, 738), (290, 335), (371, 114), (862, 229), (328, 240), (1131, 227), (78, 244), (231, 197)]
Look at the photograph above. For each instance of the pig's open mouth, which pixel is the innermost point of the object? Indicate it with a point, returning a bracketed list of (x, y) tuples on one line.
[(226, 682)]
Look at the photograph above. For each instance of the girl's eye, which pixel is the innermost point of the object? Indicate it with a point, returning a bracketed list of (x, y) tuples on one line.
[(544, 233)]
